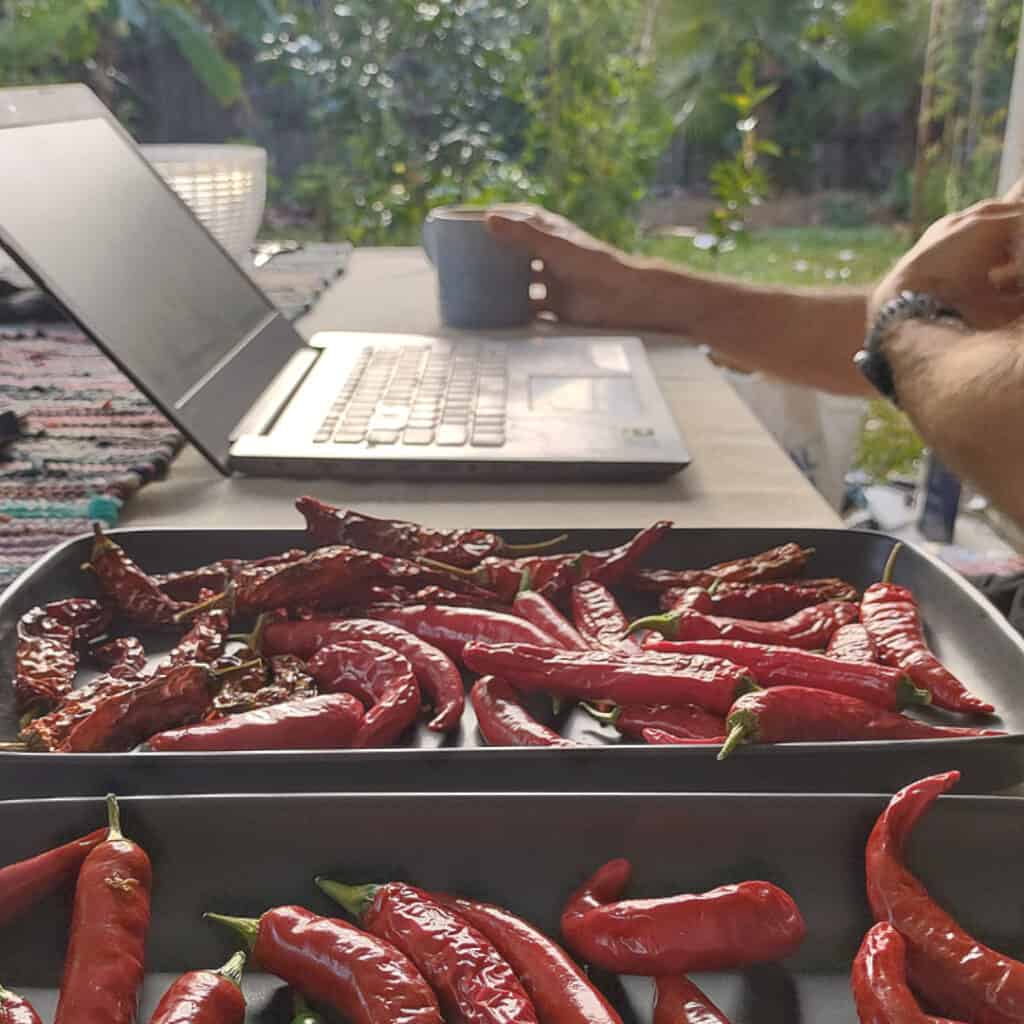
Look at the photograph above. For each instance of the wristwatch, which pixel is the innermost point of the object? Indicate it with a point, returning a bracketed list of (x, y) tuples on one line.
[(871, 360)]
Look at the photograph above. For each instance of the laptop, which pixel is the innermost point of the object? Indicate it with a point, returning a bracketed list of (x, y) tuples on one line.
[(87, 217)]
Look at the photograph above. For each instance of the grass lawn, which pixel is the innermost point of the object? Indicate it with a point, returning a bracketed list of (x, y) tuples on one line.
[(817, 257)]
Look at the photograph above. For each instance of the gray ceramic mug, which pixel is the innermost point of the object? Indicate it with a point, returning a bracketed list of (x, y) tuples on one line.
[(482, 282)]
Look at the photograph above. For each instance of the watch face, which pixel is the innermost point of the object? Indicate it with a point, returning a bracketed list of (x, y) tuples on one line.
[(877, 371)]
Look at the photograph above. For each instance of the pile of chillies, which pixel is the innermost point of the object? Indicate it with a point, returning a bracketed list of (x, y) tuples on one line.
[(381, 623), (412, 956)]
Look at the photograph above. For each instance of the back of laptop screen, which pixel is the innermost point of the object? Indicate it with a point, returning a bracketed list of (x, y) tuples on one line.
[(105, 236)]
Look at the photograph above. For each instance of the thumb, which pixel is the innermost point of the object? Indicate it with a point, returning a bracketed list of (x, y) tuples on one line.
[(527, 231)]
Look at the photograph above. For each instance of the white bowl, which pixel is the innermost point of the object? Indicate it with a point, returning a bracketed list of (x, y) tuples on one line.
[(225, 186)]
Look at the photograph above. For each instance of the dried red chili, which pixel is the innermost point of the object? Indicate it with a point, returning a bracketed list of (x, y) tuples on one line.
[(687, 721), (438, 677), (121, 658), (26, 882), (105, 962), (762, 601), (729, 927), (852, 643), (189, 584), (247, 688), (946, 965), (879, 980), (809, 629), (560, 991), (205, 997), (650, 678), (326, 524), (677, 1000), (885, 687), (599, 618), (380, 677), (136, 595), (797, 714), (328, 722), (366, 979), (15, 1009), (504, 722), (536, 608), (779, 563), (472, 980)]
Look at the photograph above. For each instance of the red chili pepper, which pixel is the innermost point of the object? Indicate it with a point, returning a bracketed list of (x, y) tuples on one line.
[(105, 962), (650, 678), (536, 608), (438, 677), (885, 687), (46, 657), (598, 617), (605, 885), (452, 628), (504, 722), (879, 980), (367, 980), (663, 738), (189, 584), (380, 677), (26, 882), (121, 658), (893, 621), (137, 595), (678, 1000), (851, 643), (810, 629), (775, 564), (762, 601), (327, 722), (16, 1010), (551, 574), (798, 714), (205, 997), (247, 688), (373, 595), (559, 990), (326, 524), (472, 980), (687, 721), (947, 966), (728, 927)]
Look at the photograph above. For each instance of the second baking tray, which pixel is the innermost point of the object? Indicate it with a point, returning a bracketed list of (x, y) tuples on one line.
[(243, 855), (964, 629)]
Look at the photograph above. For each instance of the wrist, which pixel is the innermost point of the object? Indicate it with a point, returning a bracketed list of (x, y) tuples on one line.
[(658, 296)]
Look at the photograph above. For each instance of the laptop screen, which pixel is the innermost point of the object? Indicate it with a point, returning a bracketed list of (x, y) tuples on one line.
[(116, 248)]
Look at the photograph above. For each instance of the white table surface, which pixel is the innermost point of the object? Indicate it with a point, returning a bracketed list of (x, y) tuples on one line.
[(739, 475)]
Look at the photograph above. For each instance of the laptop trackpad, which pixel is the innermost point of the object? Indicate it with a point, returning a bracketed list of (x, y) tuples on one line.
[(615, 395)]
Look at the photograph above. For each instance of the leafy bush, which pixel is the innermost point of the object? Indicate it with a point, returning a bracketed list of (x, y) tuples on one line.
[(846, 210)]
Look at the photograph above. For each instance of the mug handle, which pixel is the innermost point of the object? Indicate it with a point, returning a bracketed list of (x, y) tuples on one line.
[(429, 236)]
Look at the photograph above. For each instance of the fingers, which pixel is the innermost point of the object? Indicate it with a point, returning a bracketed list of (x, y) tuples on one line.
[(1006, 278), (1015, 194)]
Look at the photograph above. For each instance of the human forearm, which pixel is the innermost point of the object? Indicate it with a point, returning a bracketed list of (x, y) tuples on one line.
[(804, 335), (964, 394)]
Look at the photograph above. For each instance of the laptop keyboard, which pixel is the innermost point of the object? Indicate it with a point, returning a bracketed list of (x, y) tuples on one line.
[(448, 394)]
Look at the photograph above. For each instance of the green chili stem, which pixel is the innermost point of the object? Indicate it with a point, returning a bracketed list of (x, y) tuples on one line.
[(247, 927), (113, 818), (907, 693), (737, 735), (662, 624), (608, 717), (232, 970), (455, 570), (354, 899), (890, 563), (14, 748), (525, 581), (540, 545), (303, 1012)]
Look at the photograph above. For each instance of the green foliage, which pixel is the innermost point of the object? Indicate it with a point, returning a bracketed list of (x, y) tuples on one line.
[(42, 39), (889, 444), (846, 210)]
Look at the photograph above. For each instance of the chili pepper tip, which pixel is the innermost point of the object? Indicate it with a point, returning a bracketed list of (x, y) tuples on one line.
[(354, 899), (113, 818), (737, 735), (232, 970), (247, 927), (890, 562), (907, 693)]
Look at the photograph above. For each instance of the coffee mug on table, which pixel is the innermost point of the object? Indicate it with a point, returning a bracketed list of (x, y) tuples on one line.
[(482, 282)]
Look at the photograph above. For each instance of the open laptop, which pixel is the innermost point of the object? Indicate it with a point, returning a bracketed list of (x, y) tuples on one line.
[(94, 224)]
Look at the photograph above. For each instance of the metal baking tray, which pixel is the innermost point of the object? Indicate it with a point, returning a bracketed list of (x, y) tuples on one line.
[(965, 630), (241, 855)]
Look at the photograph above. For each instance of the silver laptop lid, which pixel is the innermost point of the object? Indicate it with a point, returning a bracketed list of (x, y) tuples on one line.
[(95, 225)]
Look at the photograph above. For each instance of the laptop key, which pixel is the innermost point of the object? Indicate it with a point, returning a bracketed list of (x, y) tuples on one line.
[(344, 435), (451, 434), (382, 437), (418, 435), (487, 439)]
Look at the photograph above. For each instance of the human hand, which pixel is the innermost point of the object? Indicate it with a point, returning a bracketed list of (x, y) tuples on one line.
[(969, 261), (586, 281)]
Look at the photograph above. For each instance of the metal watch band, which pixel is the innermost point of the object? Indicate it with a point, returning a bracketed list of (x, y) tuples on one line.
[(871, 360)]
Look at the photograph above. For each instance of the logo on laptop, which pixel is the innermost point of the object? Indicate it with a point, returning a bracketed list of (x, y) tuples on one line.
[(643, 437)]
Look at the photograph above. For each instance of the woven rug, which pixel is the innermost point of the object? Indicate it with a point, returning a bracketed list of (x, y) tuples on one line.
[(89, 439)]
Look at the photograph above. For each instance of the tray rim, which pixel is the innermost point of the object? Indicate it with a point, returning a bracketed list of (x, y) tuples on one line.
[(283, 757)]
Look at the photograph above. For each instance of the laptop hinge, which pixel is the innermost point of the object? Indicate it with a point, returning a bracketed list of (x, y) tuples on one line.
[(265, 410)]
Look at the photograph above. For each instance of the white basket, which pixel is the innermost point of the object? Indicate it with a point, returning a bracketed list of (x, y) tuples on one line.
[(225, 186)]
